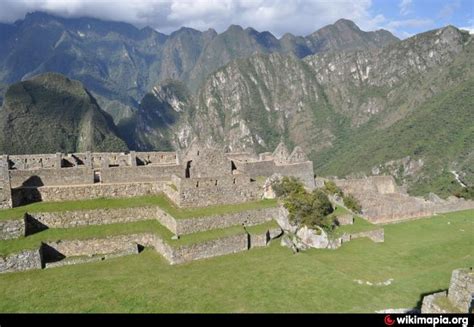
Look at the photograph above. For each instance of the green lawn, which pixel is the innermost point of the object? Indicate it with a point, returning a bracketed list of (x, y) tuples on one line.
[(419, 255), (360, 225), (156, 200)]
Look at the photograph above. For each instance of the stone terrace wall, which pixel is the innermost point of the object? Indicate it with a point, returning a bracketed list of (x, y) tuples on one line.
[(376, 235), (25, 260), (139, 174), (429, 304), (40, 177), (5, 188), (249, 218), (461, 289), (10, 229), (212, 248), (200, 192), (70, 219), (91, 247), (85, 192)]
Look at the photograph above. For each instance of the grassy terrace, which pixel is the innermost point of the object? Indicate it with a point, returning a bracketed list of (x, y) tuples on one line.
[(419, 255), (360, 225), (158, 200), (102, 231)]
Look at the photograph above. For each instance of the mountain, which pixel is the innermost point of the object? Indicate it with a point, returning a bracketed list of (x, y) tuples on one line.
[(51, 113), (355, 111), (120, 63)]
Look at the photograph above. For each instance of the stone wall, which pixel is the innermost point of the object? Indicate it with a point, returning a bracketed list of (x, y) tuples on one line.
[(25, 260), (35, 161), (249, 218), (212, 248), (69, 219), (430, 303), (139, 174), (90, 247), (10, 229), (200, 192), (37, 221), (345, 219), (52, 254), (376, 235), (461, 289), (5, 188), (84, 192), (41, 177), (156, 158), (383, 201), (302, 170)]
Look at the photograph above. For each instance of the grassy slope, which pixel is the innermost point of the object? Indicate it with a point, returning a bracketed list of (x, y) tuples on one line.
[(419, 256), (440, 131), (158, 200)]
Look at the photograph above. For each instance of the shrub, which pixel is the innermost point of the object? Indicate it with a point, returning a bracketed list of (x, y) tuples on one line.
[(310, 209), (331, 188), (351, 203), (287, 186), (466, 193)]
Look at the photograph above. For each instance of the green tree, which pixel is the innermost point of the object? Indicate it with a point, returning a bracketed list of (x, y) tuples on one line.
[(352, 203)]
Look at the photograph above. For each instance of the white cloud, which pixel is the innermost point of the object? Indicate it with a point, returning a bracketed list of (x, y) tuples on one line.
[(299, 17), (405, 7), (448, 9), (409, 23)]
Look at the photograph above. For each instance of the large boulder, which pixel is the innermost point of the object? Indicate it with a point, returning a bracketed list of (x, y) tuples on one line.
[(317, 239), (284, 222)]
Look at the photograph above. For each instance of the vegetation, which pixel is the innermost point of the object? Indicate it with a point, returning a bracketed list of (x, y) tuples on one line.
[(466, 193), (310, 209), (352, 203), (418, 255), (331, 188), (157, 200), (51, 113)]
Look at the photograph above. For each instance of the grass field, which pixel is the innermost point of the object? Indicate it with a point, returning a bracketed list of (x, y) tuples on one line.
[(419, 255), (156, 200)]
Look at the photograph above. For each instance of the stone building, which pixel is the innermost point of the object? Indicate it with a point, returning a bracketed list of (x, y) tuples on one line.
[(382, 200), (200, 176)]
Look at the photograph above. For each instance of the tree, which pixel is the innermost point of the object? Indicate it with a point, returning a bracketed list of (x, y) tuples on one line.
[(310, 209), (351, 203)]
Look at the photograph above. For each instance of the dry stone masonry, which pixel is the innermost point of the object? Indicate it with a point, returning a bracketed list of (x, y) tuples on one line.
[(383, 201), (458, 299), (200, 176)]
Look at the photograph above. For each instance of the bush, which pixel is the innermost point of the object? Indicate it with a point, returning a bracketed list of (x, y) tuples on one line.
[(310, 209), (466, 193), (331, 188), (351, 203), (287, 186)]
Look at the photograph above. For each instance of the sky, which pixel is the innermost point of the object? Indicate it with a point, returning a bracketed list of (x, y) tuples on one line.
[(404, 18)]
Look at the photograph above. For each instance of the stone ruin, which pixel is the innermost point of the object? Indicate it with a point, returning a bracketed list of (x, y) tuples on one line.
[(459, 298), (199, 176), (382, 200)]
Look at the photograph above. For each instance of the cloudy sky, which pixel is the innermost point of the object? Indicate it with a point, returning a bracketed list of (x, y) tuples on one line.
[(301, 17)]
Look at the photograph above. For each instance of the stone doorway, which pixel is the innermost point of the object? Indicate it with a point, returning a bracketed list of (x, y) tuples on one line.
[(97, 177)]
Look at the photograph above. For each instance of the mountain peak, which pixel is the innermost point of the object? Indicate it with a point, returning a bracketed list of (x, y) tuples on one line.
[(346, 23)]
